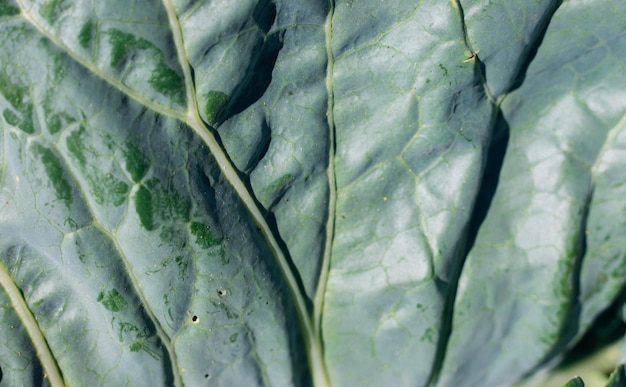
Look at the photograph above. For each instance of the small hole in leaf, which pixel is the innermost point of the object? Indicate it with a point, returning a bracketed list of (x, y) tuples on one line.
[(194, 319), (221, 292)]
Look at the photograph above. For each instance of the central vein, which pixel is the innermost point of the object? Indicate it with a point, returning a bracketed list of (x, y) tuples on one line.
[(318, 304), (310, 330)]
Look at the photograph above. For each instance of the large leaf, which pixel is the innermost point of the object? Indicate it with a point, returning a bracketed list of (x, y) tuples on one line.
[(299, 192)]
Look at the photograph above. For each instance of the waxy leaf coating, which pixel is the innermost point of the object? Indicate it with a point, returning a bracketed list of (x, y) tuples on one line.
[(290, 192)]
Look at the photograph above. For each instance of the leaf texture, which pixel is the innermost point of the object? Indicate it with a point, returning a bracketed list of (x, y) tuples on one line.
[(306, 192)]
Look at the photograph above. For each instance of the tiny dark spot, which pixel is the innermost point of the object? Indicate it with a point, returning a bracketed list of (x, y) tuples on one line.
[(194, 319), (221, 292), (206, 376)]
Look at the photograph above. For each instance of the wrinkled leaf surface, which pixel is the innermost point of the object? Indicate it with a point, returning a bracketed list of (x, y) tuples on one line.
[(299, 192)]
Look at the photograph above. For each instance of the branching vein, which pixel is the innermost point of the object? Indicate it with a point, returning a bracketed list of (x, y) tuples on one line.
[(193, 120)]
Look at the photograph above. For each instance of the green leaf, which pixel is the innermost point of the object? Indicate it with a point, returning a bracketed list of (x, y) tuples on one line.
[(618, 377), (576, 382), (280, 192)]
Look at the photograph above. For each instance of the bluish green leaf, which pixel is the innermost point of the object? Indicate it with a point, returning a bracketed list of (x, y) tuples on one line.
[(291, 192)]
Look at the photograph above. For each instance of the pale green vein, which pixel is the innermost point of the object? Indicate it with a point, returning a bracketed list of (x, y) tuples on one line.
[(163, 336), (320, 292), (193, 120), (109, 78), (150, 104), (611, 138), (165, 339), (457, 5), (32, 328)]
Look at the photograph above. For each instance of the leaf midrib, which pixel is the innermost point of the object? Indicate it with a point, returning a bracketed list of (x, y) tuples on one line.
[(310, 325), (318, 302), (32, 328)]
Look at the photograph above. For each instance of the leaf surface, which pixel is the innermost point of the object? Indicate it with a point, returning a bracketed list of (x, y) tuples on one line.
[(306, 192)]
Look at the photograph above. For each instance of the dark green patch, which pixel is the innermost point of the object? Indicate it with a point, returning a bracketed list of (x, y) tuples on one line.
[(76, 147), (229, 314), (181, 206), (168, 202), (55, 172), (123, 43), (167, 82), (136, 346), (233, 337), (57, 121), (428, 335), (54, 123), (135, 161), (143, 206), (39, 302), (18, 96), (26, 123), (112, 300), (173, 236), (445, 70), (139, 337), (576, 382), (125, 327), (59, 68), (278, 185), (204, 236), (215, 101), (107, 189), (10, 117), (7, 9), (51, 9), (181, 262), (163, 78), (142, 345), (85, 36), (564, 286)]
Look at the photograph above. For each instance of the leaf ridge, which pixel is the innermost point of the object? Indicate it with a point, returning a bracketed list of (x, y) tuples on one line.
[(206, 133), (32, 327), (320, 292), (479, 67)]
